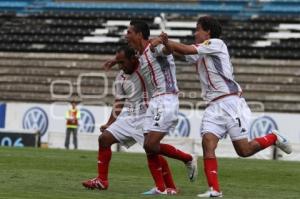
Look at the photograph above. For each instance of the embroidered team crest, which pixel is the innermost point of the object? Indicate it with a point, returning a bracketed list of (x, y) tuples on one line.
[(207, 42)]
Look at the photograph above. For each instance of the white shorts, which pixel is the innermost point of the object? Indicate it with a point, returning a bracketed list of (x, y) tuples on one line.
[(228, 115), (162, 114), (128, 130)]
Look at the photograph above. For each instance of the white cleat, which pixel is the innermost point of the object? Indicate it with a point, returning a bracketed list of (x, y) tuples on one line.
[(155, 191), (192, 168), (211, 194), (171, 191), (282, 143)]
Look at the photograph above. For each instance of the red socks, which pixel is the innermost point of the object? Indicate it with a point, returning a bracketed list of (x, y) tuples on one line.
[(104, 156), (266, 141), (211, 172), (166, 172), (156, 171), (172, 152)]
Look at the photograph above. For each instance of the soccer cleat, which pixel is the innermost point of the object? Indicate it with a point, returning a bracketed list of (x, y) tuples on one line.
[(155, 191), (211, 194), (282, 143), (172, 191), (95, 183), (192, 168)]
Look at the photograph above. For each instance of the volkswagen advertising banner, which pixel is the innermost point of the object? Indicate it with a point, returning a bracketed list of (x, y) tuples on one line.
[(50, 119)]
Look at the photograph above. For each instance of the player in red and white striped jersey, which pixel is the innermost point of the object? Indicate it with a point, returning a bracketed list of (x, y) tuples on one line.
[(227, 111), (125, 123), (157, 67)]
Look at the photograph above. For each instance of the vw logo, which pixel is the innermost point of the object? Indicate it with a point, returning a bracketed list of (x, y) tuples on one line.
[(36, 119), (87, 121), (262, 126), (182, 128)]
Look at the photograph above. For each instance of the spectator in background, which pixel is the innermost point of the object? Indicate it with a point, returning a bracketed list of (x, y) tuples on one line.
[(72, 117)]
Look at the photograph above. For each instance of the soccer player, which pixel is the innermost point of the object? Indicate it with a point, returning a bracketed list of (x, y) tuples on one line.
[(227, 111), (126, 127), (157, 67)]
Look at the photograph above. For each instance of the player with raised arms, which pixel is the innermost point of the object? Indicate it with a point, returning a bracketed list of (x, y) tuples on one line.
[(227, 111), (157, 67)]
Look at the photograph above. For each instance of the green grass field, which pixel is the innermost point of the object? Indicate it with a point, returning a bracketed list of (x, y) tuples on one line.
[(48, 173)]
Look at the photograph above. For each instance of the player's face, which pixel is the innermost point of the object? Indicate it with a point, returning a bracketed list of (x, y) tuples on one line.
[(132, 37), (124, 63), (201, 35)]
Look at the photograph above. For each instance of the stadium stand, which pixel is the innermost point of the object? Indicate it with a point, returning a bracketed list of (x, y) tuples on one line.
[(31, 77), (97, 27), (33, 34)]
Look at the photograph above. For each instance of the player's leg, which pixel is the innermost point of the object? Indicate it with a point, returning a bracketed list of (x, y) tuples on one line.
[(168, 180), (212, 130), (238, 128), (189, 160), (209, 145), (151, 146), (172, 152), (167, 174), (161, 118), (137, 135), (245, 148), (106, 139)]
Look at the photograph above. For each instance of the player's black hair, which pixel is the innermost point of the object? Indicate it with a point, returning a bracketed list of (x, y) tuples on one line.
[(142, 27), (128, 51), (209, 23)]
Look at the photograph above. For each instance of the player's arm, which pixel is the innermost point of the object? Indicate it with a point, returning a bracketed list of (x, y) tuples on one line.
[(172, 46), (166, 49), (183, 49), (180, 48), (116, 110), (109, 64)]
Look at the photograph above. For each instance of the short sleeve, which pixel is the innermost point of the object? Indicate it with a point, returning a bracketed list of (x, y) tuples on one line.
[(212, 46), (158, 50), (192, 59)]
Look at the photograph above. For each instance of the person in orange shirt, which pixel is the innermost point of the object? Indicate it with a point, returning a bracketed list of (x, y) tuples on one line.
[(72, 118)]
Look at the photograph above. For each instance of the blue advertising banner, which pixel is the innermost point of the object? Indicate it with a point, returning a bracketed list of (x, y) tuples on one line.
[(2, 114)]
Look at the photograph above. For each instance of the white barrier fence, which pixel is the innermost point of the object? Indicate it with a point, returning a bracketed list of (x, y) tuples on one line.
[(49, 120)]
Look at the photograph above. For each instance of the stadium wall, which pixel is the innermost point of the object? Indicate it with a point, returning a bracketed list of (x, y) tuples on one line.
[(49, 120)]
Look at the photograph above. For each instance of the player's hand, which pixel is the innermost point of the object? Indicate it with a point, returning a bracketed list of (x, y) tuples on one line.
[(164, 38), (109, 64), (154, 42), (103, 127), (165, 41)]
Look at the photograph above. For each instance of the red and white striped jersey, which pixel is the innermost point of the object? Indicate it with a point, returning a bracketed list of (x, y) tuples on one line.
[(159, 71), (132, 88), (215, 69)]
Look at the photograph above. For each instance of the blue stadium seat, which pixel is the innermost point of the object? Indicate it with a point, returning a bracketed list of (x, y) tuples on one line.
[(145, 7), (15, 5), (275, 9)]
